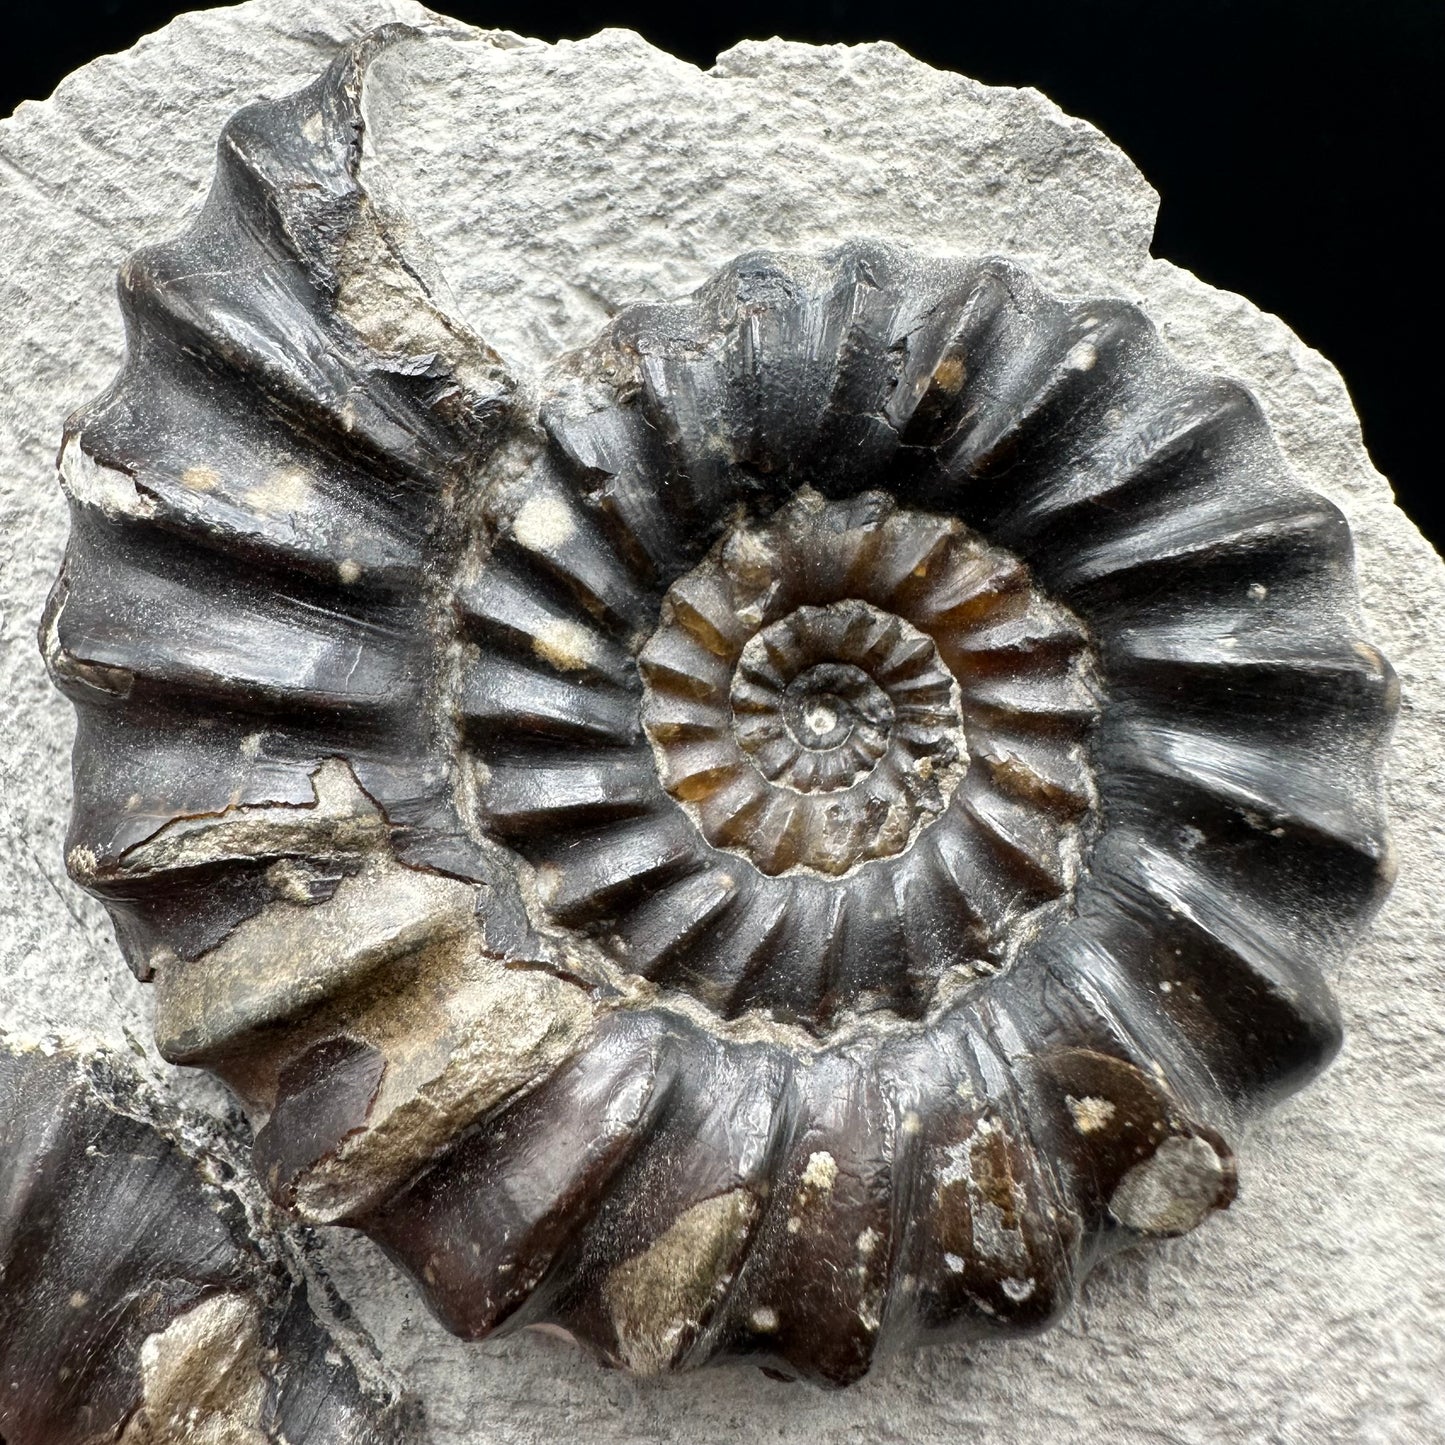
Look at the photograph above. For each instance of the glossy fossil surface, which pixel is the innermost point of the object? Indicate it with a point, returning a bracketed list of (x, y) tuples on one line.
[(798, 830), (142, 1302)]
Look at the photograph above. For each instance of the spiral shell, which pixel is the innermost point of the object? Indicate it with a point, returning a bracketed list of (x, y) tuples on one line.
[(805, 839)]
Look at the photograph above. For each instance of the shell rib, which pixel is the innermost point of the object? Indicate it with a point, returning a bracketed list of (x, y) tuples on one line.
[(143, 1299), (805, 841)]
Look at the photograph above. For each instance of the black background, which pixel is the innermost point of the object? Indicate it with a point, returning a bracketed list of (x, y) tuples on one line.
[(1295, 142)]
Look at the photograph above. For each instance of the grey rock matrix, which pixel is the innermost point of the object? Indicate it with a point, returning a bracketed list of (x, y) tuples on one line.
[(555, 184)]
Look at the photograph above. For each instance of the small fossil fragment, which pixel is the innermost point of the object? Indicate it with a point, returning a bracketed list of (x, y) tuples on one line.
[(807, 835), (138, 1301)]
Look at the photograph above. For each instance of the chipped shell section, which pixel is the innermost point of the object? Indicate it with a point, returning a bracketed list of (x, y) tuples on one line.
[(146, 1298), (803, 839)]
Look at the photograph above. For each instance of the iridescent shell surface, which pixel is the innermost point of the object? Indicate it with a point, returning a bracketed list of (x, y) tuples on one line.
[(794, 833)]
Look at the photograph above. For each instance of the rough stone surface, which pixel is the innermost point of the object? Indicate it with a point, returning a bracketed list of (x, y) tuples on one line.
[(556, 183)]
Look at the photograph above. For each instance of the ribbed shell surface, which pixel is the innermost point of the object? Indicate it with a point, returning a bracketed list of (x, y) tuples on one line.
[(797, 841)]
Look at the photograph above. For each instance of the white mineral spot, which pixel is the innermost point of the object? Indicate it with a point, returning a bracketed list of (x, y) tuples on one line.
[(955, 1263), (1258, 591), (820, 719), (348, 570), (868, 1241), (543, 524), (285, 491), (79, 1300), (1017, 1290), (1171, 1191), (81, 862), (764, 1320), (1090, 1114), (567, 645), (113, 492), (1082, 356), (955, 1166), (821, 1171), (549, 881), (201, 1378), (201, 479)]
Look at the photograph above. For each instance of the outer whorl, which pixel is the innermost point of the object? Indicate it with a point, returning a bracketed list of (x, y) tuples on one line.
[(802, 838)]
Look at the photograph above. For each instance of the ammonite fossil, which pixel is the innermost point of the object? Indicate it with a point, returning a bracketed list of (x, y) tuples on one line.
[(140, 1303), (798, 830)]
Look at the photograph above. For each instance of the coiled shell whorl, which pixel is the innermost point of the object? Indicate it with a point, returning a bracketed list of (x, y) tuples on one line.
[(805, 838)]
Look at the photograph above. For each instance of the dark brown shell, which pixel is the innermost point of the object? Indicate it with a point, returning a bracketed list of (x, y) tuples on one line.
[(800, 843), (139, 1302)]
